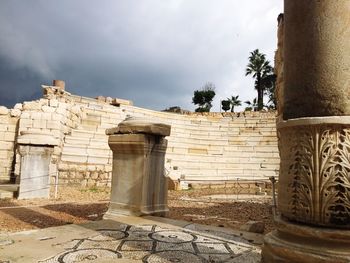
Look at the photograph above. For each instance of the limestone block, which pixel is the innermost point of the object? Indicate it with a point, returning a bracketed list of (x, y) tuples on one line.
[(39, 123), (6, 145), (9, 136), (47, 109), (55, 125), (74, 158), (63, 105), (37, 138), (3, 110), (61, 110), (63, 166), (18, 106), (197, 151), (118, 102), (15, 113), (57, 117), (4, 154), (98, 151), (97, 159), (32, 105), (53, 103)]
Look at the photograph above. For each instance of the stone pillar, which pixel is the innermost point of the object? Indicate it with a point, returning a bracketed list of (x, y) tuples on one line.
[(139, 185), (59, 83), (313, 224), (35, 150)]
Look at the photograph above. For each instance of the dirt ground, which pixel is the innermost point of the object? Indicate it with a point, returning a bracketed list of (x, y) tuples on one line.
[(74, 206)]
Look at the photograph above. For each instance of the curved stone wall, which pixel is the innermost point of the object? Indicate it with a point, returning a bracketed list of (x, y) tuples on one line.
[(202, 147)]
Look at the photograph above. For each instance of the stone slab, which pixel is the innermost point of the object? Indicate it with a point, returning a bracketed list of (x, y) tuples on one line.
[(139, 125)]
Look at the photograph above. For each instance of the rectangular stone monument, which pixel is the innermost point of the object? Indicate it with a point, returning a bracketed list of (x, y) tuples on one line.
[(139, 185), (36, 150), (34, 181)]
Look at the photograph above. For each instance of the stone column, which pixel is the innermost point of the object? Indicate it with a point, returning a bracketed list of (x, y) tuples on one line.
[(36, 149), (314, 138), (139, 185)]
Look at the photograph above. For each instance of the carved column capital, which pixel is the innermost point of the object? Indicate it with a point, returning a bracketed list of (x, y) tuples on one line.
[(314, 184)]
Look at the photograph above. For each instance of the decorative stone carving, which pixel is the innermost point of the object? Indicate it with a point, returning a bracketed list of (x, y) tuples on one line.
[(314, 141), (315, 168)]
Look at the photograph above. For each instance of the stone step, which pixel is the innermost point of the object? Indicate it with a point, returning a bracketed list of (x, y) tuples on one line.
[(90, 122), (9, 187), (86, 150), (85, 158), (88, 134), (105, 110)]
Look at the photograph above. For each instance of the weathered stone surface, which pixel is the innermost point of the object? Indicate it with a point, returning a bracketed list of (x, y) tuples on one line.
[(279, 65), (4, 110), (294, 243), (254, 227), (314, 139), (139, 185), (138, 125), (18, 106), (37, 138), (59, 83), (32, 105), (316, 47), (15, 113), (117, 102), (315, 192), (34, 183)]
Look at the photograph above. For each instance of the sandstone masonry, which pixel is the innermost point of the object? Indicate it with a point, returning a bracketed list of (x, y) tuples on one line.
[(202, 147)]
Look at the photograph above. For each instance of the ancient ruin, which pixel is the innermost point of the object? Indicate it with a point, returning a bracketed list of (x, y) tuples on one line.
[(139, 186), (63, 135), (202, 148)]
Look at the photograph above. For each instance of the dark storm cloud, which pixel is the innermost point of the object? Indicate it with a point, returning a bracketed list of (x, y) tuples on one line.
[(153, 52)]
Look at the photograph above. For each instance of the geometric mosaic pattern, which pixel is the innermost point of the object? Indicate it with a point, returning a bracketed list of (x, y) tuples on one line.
[(154, 244)]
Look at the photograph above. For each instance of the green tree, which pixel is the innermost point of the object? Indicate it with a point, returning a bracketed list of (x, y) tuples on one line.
[(259, 68), (204, 97), (269, 84), (251, 105), (225, 105), (234, 101)]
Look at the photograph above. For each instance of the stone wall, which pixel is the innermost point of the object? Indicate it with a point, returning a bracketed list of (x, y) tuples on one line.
[(202, 147), (8, 133)]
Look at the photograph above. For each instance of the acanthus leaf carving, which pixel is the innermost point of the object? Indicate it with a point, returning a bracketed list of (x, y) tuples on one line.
[(315, 165)]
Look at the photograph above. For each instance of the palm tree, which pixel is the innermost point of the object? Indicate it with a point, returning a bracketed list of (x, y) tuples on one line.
[(259, 67), (251, 105), (234, 101)]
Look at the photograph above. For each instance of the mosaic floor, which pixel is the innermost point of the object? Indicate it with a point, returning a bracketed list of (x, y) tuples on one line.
[(154, 244)]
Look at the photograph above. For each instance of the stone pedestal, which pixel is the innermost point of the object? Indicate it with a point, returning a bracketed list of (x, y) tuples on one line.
[(294, 243), (35, 150), (139, 185), (314, 137)]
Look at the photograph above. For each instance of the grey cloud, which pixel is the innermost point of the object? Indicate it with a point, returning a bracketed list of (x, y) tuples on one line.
[(153, 52)]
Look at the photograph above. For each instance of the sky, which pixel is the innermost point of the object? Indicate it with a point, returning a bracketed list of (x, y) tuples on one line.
[(153, 52)]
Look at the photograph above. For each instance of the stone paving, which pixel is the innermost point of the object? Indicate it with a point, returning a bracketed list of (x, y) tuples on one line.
[(130, 239)]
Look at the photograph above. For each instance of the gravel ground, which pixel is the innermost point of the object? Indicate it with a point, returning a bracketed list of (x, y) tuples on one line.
[(74, 206)]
